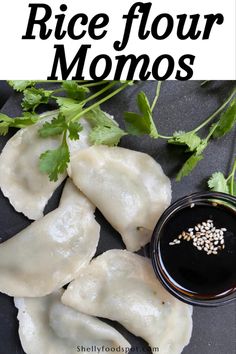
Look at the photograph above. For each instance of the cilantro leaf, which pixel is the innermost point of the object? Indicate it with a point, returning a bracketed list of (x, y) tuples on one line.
[(74, 128), (106, 135), (203, 144), (226, 122), (5, 118), (191, 139), (75, 91), (69, 107), (25, 120), (141, 124), (97, 117), (20, 85), (55, 162), (105, 130), (218, 183), (56, 127), (7, 122), (33, 97), (189, 166), (4, 127)]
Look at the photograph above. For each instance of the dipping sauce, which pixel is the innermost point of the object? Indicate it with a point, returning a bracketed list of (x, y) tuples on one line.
[(187, 269)]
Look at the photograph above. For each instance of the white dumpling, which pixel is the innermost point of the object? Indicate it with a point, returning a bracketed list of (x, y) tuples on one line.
[(50, 252), (46, 326), (21, 180), (122, 286), (128, 187)]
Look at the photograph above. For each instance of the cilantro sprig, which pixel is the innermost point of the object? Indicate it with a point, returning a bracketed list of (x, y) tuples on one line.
[(143, 124), (55, 162), (76, 99), (219, 183), (24, 121), (105, 130)]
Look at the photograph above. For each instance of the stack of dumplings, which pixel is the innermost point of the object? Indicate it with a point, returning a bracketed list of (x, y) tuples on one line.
[(131, 191)]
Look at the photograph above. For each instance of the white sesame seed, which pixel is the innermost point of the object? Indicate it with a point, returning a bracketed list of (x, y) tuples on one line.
[(204, 236), (192, 205)]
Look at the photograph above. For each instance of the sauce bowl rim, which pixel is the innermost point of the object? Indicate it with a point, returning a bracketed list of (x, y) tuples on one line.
[(154, 254)]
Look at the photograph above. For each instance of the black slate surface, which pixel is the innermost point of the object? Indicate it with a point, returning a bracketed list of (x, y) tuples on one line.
[(181, 106)]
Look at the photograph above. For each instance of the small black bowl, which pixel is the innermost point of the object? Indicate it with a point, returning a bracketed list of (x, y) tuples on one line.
[(188, 272)]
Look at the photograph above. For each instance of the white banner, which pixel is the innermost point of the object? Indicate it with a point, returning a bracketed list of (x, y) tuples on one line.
[(122, 39)]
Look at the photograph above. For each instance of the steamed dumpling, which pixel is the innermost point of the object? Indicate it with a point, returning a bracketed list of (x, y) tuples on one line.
[(46, 326), (122, 286), (128, 187), (50, 252), (21, 180)]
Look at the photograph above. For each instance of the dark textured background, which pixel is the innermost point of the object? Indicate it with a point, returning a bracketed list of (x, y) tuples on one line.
[(181, 107)]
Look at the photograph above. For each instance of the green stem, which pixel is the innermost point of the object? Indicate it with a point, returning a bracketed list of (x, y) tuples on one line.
[(232, 178), (204, 82), (98, 83), (58, 90), (164, 137), (213, 115), (158, 89), (99, 93), (48, 114), (212, 131), (86, 83), (96, 104)]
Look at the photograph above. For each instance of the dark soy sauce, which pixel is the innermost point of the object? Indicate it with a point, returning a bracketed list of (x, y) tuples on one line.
[(191, 271)]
